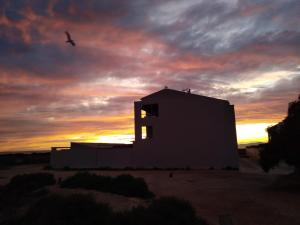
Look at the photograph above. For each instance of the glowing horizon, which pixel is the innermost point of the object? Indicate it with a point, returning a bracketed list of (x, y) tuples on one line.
[(246, 134)]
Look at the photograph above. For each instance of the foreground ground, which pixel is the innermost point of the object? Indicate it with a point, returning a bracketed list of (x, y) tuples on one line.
[(244, 195)]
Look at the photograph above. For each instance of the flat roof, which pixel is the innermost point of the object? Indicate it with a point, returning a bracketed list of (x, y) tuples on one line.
[(172, 92)]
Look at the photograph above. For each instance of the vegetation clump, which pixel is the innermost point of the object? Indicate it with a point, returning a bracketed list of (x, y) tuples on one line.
[(21, 191), (165, 210), (284, 142), (83, 210), (126, 185), (26, 183), (75, 209)]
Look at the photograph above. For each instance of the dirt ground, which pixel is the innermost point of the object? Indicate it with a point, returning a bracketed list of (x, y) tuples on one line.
[(243, 195)]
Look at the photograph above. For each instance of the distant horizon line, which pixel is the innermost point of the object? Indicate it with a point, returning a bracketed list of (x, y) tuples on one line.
[(24, 151), (49, 150)]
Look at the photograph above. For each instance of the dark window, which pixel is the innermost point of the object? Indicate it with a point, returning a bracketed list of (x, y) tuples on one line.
[(150, 110)]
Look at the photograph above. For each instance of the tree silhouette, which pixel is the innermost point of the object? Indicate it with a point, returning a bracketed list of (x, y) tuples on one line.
[(284, 141)]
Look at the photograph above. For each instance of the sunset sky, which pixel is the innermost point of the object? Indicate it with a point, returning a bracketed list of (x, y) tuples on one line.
[(51, 93)]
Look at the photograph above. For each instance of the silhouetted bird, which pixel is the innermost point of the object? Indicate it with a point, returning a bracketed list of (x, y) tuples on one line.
[(69, 39)]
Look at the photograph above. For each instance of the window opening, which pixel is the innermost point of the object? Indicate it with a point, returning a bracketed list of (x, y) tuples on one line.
[(147, 132), (149, 110)]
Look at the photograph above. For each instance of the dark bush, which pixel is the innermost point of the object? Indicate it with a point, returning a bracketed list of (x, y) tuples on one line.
[(284, 142), (130, 186), (87, 181), (26, 183), (13, 159), (126, 185), (166, 211), (73, 210), (170, 210), (21, 191), (84, 210)]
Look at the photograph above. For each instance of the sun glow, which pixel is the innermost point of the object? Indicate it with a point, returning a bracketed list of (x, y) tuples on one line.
[(246, 133), (117, 138), (256, 132)]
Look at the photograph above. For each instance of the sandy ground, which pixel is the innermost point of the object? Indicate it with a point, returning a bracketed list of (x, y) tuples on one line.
[(243, 195)]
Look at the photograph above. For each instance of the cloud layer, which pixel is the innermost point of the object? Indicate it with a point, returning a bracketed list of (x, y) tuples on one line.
[(51, 93)]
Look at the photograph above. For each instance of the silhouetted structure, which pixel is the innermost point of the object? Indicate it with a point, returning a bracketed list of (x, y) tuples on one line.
[(13, 159), (284, 143), (173, 129)]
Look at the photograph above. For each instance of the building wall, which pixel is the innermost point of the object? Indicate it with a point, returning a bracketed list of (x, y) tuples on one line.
[(189, 132), (115, 158), (89, 155), (60, 159)]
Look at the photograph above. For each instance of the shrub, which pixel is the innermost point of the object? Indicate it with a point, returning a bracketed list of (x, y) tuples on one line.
[(166, 210), (82, 209), (22, 190), (73, 210), (29, 182), (123, 185), (170, 210), (87, 181), (284, 142), (130, 186)]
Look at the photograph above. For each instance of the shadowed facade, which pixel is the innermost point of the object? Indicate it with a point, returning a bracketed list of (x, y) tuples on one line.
[(173, 129)]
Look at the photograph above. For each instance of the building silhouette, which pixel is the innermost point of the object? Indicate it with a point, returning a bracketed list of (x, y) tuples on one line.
[(173, 129)]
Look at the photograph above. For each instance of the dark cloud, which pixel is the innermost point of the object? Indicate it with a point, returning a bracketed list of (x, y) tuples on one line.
[(11, 42), (245, 51), (93, 11)]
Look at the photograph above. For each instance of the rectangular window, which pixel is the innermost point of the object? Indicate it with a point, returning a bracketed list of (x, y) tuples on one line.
[(147, 132), (143, 113), (144, 132), (149, 110)]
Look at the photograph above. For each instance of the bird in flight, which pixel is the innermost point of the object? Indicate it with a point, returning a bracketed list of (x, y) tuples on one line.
[(69, 39)]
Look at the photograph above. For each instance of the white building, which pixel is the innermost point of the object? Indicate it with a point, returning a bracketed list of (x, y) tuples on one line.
[(173, 129)]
